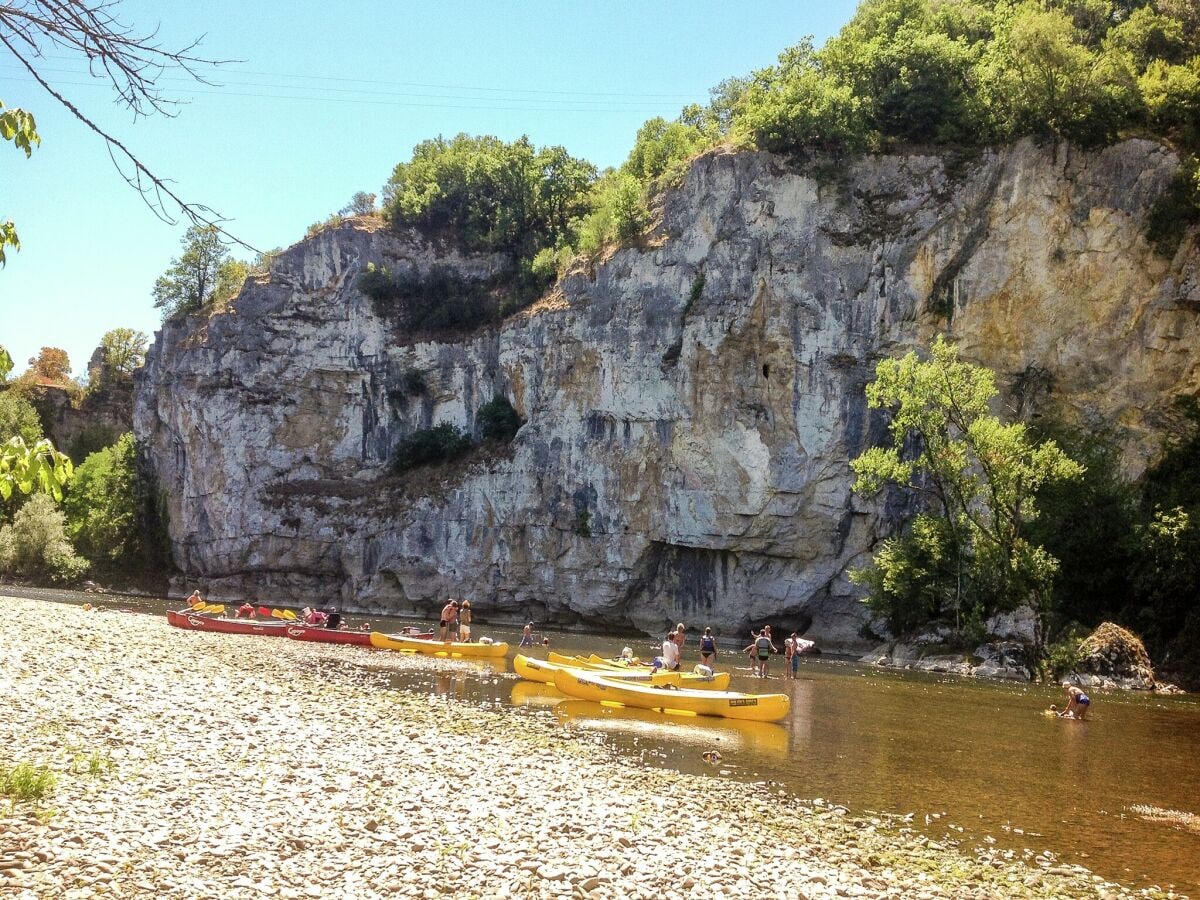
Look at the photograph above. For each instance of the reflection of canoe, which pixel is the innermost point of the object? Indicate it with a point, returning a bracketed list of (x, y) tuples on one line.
[(728, 704), (764, 737), (534, 693), (536, 670), (437, 648), (194, 622)]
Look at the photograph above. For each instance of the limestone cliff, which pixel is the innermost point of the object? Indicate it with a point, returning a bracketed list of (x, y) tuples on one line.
[(691, 404)]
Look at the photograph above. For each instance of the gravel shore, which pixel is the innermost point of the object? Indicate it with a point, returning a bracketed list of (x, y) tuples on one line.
[(194, 765)]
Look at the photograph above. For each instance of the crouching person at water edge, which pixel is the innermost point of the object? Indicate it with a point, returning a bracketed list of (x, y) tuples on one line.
[(1078, 704)]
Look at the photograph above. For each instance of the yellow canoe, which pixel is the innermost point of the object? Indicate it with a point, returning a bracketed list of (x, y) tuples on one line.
[(437, 648), (536, 670), (595, 662), (728, 704), (718, 681)]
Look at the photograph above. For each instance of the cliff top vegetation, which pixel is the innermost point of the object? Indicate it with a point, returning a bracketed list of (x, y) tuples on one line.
[(955, 73)]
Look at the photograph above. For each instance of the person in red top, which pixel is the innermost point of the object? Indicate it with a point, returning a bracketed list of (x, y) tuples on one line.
[(246, 611)]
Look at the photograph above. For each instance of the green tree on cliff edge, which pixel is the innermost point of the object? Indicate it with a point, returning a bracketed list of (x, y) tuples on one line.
[(203, 273), (965, 555)]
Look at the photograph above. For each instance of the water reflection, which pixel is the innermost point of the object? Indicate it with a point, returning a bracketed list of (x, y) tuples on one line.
[(701, 732)]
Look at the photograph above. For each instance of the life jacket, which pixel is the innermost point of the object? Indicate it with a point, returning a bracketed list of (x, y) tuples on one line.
[(763, 646), (708, 644)]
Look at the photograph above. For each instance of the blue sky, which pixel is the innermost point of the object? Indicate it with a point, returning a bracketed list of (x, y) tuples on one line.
[(324, 100)]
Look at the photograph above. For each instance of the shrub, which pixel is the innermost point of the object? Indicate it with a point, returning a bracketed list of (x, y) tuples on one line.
[(497, 420), (490, 194), (19, 417), (36, 544), (431, 446), (101, 504), (91, 440), (1177, 210), (26, 783)]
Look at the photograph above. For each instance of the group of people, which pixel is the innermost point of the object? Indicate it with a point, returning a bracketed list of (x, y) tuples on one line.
[(762, 646), (454, 624), (760, 650), (329, 618), (527, 637)]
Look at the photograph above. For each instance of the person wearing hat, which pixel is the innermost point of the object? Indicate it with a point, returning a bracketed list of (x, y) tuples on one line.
[(449, 620), (464, 621)]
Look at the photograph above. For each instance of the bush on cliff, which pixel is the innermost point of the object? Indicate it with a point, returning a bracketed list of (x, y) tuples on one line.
[(442, 300), (490, 194), (497, 420), (442, 443)]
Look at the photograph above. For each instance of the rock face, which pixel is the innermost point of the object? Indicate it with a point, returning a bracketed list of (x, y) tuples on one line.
[(1008, 651), (691, 404), (1111, 657)]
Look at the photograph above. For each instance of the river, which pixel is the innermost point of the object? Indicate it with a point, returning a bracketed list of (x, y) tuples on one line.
[(971, 761)]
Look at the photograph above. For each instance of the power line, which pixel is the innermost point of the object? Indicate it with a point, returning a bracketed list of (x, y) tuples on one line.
[(632, 105), (366, 102), (438, 86)]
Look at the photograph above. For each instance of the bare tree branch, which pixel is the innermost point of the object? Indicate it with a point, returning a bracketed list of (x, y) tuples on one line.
[(132, 63)]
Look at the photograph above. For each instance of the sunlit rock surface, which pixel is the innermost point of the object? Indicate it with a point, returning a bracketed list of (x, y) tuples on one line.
[(691, 405)]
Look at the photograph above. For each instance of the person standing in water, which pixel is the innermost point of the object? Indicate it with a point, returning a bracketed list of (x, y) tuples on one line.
[(448, 620), (760, 652), (464, 621), (708, 648), (527, 636)]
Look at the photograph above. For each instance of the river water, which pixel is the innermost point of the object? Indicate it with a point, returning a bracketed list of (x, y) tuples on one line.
[(971, 761)]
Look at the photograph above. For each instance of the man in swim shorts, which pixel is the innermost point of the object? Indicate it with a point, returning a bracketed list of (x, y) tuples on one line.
[(1078, 703)]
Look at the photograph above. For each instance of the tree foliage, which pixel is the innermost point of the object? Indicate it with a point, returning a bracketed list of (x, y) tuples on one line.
[(19, 418), (444, 442), (101, 504), (497, 420), (361, 204), (122, 352), (968, 556), (51, 364), (32, 468), (36, 544), (19, 127), (970, 72), (203, 273), (494, 195)]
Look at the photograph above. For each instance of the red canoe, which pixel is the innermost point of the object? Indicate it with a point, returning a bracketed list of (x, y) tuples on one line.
[(342, 636), (328, 635), (194, 622)]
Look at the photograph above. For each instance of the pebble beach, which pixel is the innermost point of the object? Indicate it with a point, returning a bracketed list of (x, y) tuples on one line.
[(197, 765)]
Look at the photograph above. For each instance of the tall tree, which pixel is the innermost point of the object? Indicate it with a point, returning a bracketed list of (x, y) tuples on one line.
[(52, 364), (978, 477), (122, 351), (203, 273)]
